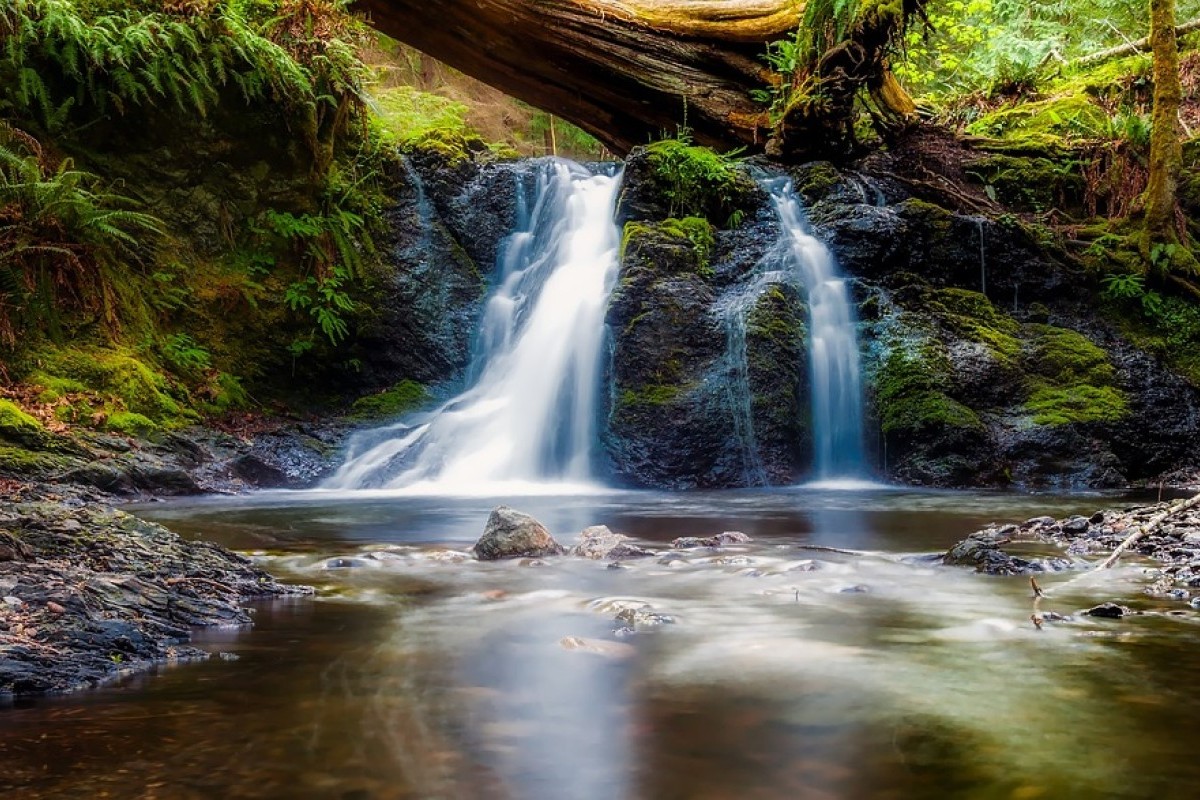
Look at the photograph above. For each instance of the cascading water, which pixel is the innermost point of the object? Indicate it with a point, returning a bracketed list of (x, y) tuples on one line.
[(530, 411), (835, 377)]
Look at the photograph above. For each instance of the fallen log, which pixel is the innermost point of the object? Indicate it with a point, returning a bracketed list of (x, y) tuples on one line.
[(1145, 530), (1128, 49), (630, 71)]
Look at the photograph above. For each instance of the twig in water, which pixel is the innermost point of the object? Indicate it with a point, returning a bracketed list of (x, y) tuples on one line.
[(1037, 590)]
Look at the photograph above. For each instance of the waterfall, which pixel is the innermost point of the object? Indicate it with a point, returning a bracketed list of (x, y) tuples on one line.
[(530, 410), (834, 374)]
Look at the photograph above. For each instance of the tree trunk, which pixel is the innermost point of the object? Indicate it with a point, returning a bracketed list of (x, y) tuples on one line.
[(630, 71), (1166, 149)]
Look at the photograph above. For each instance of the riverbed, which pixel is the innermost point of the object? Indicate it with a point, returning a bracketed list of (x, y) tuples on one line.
[(830, 657)]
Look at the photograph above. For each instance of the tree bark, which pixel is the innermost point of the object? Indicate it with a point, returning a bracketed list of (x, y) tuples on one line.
[(1166, 148), (630, 71)]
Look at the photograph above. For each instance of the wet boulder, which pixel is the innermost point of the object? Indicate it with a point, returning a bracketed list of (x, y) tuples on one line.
[(983, 551), (512, 534), (598, 542)]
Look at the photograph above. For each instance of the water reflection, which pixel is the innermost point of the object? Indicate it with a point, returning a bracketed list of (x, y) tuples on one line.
[(787, 669)]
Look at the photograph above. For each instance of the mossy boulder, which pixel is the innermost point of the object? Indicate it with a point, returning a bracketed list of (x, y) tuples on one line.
[(18, 427), (778, 382), (122, 381), (403, 398), (676, 179), (1070, 379)]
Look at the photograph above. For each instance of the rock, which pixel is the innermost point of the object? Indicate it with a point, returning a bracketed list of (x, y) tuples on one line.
[(345, 563), (598, 542), (600, 647), (643, 617), (981, 550), (1097, 518), (1075, 525), (512, 534), (1107, 611), (720, 540)]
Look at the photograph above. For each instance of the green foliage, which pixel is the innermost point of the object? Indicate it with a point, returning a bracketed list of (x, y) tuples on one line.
[(1131, 288), (697, 182), (184, 355), (326, 301), (406, 396), (66, 241), (68, 63), (1005, 47)]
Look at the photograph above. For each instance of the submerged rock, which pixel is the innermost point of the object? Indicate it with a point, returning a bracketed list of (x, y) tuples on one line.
[(720, 540), (598, 542), (512, 534), (1107, 611)]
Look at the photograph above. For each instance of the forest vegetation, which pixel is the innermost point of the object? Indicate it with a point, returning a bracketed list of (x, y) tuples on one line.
[(192, 192)]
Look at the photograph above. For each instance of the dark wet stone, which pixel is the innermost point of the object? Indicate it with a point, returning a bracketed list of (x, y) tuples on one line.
[(720, 540), (982, 550), (107, 592), (1075, 525), (1107, 611), (512, 534), (345, 563)]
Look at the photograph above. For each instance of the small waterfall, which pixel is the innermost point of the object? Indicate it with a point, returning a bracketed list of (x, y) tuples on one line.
[(530, 410), (835, 377), (734, 308)]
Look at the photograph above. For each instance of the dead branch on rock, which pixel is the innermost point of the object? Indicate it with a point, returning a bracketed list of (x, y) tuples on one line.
[(1144, 530)]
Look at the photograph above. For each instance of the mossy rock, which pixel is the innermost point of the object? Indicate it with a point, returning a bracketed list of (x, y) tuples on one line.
[(972, 316), (1064, 405), (1065, 356), (1030, 183), (911, 392), (18, 427), (647, 237), (694, 181), (815, 181), (19, 462), (124, 382), (1068, 116), (1070, 379), (647, 398), (403, 398), (130, 423)]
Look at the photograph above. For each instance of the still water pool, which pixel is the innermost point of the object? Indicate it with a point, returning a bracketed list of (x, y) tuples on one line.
[(828, 658)]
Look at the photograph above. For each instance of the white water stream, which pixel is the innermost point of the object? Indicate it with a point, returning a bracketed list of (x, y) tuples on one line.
[(834, 371), (529, 415)]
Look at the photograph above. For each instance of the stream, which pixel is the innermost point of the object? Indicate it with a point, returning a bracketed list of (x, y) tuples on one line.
[(763, 670)]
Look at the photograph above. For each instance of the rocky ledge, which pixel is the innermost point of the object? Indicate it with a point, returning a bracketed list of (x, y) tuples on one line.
[(91, 593), (1016, 549)]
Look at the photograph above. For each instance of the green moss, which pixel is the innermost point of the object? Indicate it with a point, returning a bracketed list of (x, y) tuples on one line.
[(695, 231), (1070, 379), (697, 182), (1057, 405), (970, 315), (21, 463), (1067, 116), (816, 180), (454, 146), (1067, 356), (121, 380), (1030, 183), (910, 392), (17, 426), (652, 396), (129, 423), (402, 398)]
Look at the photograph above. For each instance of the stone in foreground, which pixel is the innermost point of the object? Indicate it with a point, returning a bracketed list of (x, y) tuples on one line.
[(512, 534), (598, 542)]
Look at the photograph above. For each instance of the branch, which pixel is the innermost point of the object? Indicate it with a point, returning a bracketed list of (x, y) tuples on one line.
[(1147, 529), (1141, 45)]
